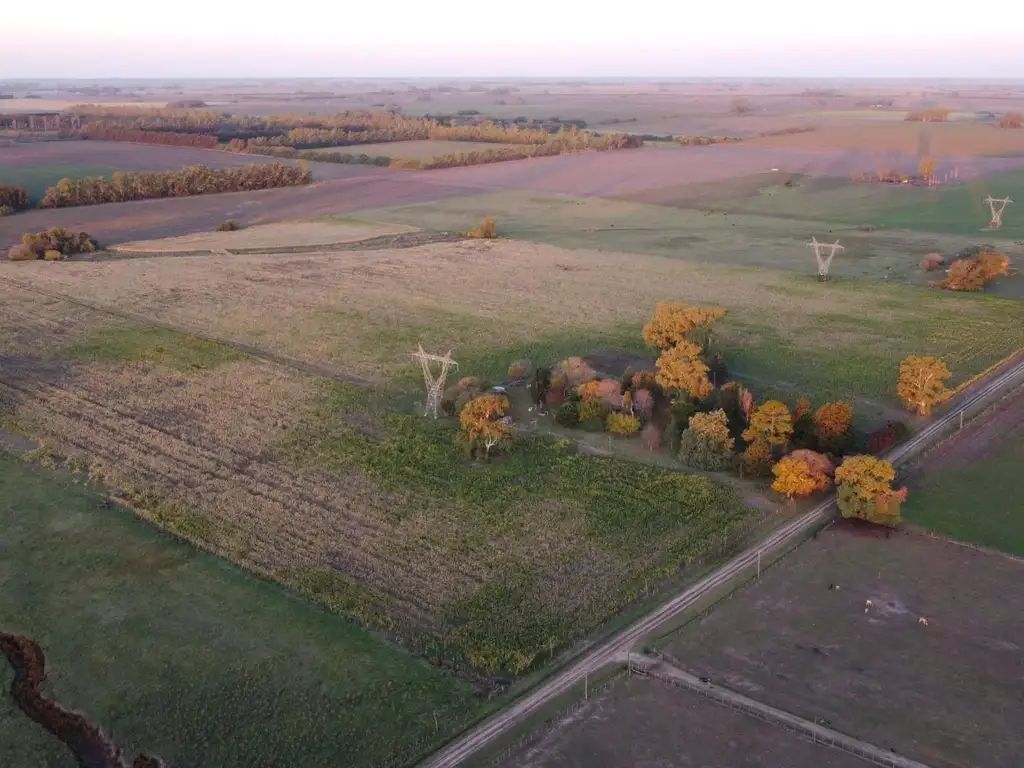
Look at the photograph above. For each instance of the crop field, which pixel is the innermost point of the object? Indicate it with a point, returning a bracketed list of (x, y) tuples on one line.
[(639, 721), (361, 312), (936, 139), (946, 693), (36, 178), (54, 155), (969, 486), (179, 654), (414, 150), (329, 488)]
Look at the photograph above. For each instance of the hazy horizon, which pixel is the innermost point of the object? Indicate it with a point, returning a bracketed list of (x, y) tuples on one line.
[(790, 39)]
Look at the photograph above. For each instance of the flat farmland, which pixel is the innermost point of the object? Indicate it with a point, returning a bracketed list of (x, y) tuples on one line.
[(934, 139), (946, 693), (360, 312), (116, 223), (355, 501), (126, 156), (414, 150), (752, 221), (640, 721), (179, 654)]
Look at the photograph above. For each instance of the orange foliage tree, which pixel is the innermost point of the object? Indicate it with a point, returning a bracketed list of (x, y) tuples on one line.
[(673, 322), (681, 369), (926, 168), (920, 384), (973, 273), (771, 422), (832, 423), (482, 423)]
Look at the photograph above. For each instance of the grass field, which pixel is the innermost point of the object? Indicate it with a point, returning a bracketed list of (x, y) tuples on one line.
[(177, 653), (415, 150), (968, 487), (344, 494), (35, 179), (362, 312), (946, 693), (760, 229)]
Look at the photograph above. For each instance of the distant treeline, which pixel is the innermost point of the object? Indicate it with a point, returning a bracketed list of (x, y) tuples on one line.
[(169, 138), (293, 135), (193, 180), (933, 115)]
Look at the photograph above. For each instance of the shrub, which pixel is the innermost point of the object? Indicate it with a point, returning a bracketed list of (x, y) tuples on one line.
[(887, 436), (21, 253), (931, 261), (228, 226), (520, 369), (622, 424), (756, 460), (6, 210), (13, 197), (53, 256), (568, 414), (486, 230), (576, 371), (591, 410), (63, 241), (643, 404)]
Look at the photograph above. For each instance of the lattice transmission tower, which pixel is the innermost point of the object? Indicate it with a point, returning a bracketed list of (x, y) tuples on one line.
[(824, 262), (997, 205), (434, 382)]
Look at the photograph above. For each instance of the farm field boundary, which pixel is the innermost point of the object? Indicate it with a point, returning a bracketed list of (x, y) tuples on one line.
[(669, 671)]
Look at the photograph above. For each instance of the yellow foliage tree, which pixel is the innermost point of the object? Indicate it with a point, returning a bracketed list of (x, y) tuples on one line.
[(771, 422), (793, 478), (482, 421), (622, 424), (680, 368), (671, 323), (920, 384), (865, 490), (926, 168)]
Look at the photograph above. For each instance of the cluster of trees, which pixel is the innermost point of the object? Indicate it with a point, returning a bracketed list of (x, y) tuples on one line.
[(703, 141), (932, 115), (52, 245), (974, 272), (12, 199), (1012, 120), (193, 180), (167, 138)]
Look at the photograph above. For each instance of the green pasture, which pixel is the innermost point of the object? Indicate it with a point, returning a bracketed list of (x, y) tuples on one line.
[(774, 233), (979, 502), (183, 655), (35, 179)]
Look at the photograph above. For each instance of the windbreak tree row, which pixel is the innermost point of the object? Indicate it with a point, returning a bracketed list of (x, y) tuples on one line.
[(193, 180)]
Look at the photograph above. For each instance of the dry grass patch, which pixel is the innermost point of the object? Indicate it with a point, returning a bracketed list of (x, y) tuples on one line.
[(300, 233)]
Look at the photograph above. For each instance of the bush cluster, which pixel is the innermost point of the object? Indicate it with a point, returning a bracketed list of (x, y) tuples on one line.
[(52, 245), (13, 199)]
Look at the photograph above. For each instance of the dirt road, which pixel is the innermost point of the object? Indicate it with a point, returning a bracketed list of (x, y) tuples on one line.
[(462, 749)]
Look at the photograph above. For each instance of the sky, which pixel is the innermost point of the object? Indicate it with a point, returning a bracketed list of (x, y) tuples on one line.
[(471, 38)]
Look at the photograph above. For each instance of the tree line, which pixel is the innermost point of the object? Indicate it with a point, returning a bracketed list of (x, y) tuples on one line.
[(192, 180), (137, 136)]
